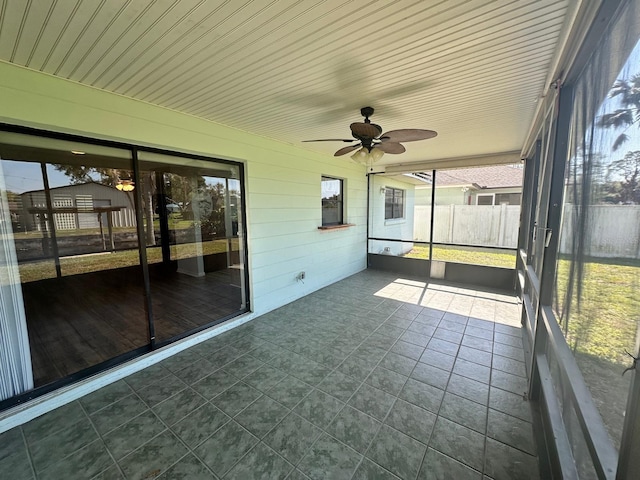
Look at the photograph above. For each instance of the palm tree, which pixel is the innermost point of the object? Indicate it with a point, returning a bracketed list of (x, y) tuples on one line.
[(628, 92)]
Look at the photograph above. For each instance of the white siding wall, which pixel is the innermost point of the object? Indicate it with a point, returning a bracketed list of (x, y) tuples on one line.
[(398, 228), (284, 214), (282, 181)]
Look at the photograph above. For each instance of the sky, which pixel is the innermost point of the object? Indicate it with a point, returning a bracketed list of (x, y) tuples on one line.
[(608, 136), (23, 177)]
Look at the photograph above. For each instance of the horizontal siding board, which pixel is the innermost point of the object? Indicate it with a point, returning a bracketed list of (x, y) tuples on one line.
[(278, 249)]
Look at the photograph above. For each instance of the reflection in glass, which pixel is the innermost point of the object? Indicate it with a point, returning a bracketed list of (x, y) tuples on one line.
[(77, 250), (193, 238), (332, 209)]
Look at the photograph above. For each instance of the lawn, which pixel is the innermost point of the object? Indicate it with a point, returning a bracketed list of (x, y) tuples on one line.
[(605, 321), (474, 256), (33, 271), (599, 329)]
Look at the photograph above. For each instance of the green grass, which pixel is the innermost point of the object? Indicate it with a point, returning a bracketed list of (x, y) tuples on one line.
[(33, 271), (473, 256), (605, 321), (72, 233), (603, 326)]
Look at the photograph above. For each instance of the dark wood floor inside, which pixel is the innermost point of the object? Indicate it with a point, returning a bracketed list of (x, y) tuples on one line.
[(80, 321)]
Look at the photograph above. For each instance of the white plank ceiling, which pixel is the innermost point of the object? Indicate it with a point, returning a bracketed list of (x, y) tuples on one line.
[(293, 70)]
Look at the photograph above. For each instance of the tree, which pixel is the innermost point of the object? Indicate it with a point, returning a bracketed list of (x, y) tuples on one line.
[(81, 174), (111, 176), (628, 94), (628, 189)]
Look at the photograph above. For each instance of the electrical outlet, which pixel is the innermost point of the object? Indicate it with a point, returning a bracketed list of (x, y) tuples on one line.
[(301, 276)]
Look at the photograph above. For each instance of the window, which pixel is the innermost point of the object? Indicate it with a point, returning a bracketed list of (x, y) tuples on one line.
[(393, 203), (486, 199), (498, 198), (508, 198), (332, 201)]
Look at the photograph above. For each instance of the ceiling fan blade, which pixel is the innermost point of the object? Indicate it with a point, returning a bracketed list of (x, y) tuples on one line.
[(345, 150), (407, 135), (391, 147), (365, 130), (332, 140)]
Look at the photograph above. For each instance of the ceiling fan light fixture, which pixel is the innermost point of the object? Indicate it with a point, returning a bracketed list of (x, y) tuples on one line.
[(366, 155), (376, 154), (125, 185), (361, 156)]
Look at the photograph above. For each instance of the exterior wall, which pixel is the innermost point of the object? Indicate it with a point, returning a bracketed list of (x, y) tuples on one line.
[(455, 195), (282, 181), (444, 195), (451, 195), (397, 228)]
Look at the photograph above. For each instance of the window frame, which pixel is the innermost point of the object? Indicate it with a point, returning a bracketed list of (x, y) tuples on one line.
[(395, 214), (509, 195), (325, 201), (491, 195)]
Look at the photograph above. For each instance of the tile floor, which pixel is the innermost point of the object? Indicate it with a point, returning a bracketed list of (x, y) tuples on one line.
[(374, 377)]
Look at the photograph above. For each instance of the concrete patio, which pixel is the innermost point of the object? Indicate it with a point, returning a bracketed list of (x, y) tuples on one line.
[(374, 377)]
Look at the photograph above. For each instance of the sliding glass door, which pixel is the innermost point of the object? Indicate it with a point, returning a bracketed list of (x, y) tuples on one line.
[(109, 251), (193, 244), (76, 247)]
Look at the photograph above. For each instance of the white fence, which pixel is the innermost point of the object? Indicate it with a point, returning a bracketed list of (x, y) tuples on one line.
[(485, 225), (613, 230)]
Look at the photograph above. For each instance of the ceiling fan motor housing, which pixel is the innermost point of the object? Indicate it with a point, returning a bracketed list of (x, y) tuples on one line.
[(366, 113)]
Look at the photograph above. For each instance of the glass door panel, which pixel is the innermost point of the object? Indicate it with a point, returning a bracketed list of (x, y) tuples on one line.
[(76, 242), (194, 244)]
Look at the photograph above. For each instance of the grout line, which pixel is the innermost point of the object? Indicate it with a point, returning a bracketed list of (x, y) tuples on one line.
[(486, 427), (346, 403), (291, 321), (29, 457), (101, 439)]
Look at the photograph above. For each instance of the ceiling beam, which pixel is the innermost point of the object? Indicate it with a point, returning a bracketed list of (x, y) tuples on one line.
[(458, 162)]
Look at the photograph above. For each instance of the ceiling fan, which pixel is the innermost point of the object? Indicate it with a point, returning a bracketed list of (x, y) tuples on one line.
[(373, 143)]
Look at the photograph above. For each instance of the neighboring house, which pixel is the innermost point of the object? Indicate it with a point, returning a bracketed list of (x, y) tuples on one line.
[(492, 185), (400, 208), (77, 207), (458, 193)]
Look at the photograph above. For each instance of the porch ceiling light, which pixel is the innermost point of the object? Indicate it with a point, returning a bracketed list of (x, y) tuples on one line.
[(367, 155), (125, 185)]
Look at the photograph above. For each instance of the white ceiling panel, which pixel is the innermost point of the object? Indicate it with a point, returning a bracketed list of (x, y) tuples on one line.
[(293, 70)]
